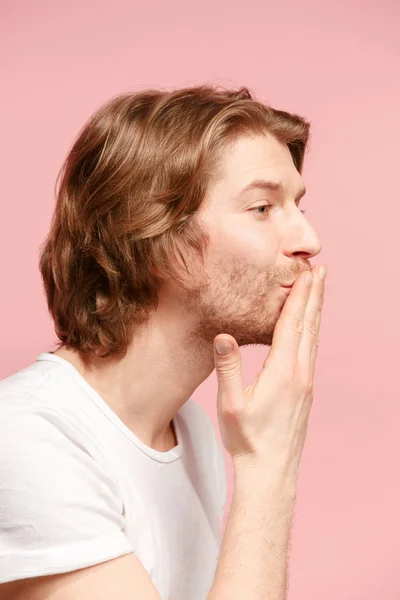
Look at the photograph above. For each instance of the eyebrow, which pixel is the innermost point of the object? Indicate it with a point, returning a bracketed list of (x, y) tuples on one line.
[(274, 186)]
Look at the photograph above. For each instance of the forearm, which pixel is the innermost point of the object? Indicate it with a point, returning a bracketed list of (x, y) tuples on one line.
[(254, 551)]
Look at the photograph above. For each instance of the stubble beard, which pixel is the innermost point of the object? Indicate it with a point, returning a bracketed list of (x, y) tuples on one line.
[(240, 301)]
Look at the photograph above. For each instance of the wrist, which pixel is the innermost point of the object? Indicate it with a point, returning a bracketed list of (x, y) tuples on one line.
[(272, 472)]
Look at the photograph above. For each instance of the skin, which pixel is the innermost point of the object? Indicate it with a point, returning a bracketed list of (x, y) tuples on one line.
[(251, 253)]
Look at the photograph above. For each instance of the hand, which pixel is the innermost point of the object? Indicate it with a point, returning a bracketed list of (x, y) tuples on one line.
[(270, 416)]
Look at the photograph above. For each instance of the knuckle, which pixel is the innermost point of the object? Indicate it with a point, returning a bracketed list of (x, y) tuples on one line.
[(232, 412), (311, 328), (306, 382), (228, 370), (297, 326), (309, 386), (311, 396)]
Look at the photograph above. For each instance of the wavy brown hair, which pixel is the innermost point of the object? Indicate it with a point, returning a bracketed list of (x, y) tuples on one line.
[(126, 202)]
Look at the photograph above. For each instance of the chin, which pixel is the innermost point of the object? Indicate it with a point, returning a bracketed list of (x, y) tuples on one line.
[(260, 338)]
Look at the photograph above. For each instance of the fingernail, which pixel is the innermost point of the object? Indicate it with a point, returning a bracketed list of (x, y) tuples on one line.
[(223, 347), (322, 273)]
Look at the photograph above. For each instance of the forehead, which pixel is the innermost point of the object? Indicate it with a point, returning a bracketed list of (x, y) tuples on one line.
[(256, 157)]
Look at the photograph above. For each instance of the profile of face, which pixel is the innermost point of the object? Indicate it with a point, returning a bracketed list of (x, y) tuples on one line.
[(259, 240)]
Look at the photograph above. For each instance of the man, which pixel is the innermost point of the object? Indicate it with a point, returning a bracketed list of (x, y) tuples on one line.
[(177, 220)]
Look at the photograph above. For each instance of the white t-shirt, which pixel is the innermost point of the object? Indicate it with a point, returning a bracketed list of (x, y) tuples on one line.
[(78, 488)]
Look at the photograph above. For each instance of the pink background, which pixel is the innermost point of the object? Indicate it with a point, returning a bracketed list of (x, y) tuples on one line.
[(336, 63)]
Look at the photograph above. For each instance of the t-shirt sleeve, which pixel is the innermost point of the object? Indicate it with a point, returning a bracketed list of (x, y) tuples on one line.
[(60, 507)]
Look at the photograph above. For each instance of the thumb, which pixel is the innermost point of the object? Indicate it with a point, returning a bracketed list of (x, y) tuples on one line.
[(228, 366)]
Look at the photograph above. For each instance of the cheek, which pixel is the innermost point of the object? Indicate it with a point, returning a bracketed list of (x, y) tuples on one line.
[(236, 242)]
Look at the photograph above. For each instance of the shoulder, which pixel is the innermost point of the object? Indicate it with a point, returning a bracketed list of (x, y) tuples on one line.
[(55, 492), (39, 433), (61, 503), (40, 383)]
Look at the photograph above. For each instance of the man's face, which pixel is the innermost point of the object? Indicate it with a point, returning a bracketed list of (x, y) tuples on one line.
[(253, 249)]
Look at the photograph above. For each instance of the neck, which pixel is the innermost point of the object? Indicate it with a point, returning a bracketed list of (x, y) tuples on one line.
[(147, 387)]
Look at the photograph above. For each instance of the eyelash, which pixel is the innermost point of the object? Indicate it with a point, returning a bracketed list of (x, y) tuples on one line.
[(268, 206)]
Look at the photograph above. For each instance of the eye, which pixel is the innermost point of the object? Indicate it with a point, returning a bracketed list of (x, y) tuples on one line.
[(267, 207), (257, 208)]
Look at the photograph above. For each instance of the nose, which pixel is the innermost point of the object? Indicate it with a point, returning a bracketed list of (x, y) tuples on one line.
[(301, 241)]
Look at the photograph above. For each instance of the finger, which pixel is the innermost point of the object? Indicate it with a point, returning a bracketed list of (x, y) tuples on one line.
[(289, 327), (310, 317), (228, 366), (314, 350)]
